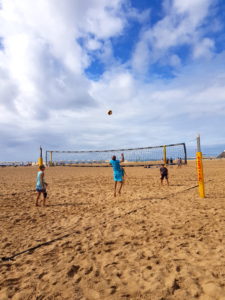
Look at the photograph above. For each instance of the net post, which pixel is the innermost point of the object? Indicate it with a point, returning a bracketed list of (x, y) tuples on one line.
[(46, 157), (185, 154), (50, 158), (40, 159), (201, 185), (164, 154)]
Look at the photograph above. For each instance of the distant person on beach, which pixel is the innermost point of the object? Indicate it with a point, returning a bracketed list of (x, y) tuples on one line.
[(41, 185), (164, 174), (117, 172), (179, 162)]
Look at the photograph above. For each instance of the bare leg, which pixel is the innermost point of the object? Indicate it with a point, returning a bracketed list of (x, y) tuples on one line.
[(121, 184), (38, 196), (167, 181), (115, 188)]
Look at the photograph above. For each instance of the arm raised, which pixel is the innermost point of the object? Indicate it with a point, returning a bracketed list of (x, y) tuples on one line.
[(122, 157)]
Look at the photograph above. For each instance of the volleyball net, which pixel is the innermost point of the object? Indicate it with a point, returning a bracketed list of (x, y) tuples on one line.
[(169, 154)]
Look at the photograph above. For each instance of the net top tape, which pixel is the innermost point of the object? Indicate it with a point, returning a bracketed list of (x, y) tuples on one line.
[(115, 150)]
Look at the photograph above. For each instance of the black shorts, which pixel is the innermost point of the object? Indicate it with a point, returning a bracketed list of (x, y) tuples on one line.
[(164, 176), (42, 191)]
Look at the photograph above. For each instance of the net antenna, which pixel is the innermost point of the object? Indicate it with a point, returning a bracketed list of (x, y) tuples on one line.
[(201, 185), (146, 156)]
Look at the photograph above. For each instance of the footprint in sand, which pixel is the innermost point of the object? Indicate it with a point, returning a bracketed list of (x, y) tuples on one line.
[(88, 270), (73, 270), (113, 289)]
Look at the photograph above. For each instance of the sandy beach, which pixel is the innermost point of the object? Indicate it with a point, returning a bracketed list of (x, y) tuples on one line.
[(152, 242)]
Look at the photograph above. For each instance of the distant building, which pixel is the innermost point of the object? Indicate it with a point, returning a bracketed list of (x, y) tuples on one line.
[(222, 155)]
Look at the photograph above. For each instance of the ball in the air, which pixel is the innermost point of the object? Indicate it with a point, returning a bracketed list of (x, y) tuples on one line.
[(109, 112)]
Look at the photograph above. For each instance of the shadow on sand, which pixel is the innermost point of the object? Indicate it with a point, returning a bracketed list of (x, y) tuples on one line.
[(67, 204)]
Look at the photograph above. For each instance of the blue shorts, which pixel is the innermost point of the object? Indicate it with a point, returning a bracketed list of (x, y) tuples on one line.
[(118, 176)]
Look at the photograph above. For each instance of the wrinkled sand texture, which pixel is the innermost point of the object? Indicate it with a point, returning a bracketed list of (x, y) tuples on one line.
[(150, 243)]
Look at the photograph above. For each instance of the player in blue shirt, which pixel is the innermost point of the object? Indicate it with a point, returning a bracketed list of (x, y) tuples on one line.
[(117, 172)]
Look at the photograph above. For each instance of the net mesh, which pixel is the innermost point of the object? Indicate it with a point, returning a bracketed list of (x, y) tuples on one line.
[(135, 156)]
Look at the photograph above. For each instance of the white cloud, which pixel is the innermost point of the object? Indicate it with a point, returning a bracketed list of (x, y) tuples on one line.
[(175, 61), (42, 64), (197, 9), (42, 58), (93, 44), (45, 96), (180, 26), (139, 16), (204, 48), (142, 57)]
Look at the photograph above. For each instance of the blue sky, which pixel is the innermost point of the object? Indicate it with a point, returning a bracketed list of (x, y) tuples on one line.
[(159, 65)]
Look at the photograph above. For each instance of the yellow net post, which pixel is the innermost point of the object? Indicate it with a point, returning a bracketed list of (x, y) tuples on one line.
[(201, 185), (164, 154), (40, 159)]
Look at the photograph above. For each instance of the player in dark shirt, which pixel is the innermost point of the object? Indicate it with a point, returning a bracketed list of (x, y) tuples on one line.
[(164, 174)]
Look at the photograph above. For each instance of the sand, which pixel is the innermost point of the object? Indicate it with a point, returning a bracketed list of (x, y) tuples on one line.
[(152, 242)]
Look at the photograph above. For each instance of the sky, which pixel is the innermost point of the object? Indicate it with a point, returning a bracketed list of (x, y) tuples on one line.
[(159, 65)]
